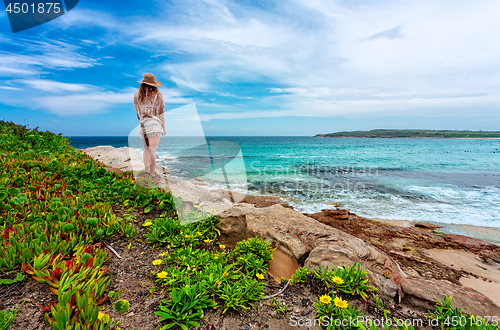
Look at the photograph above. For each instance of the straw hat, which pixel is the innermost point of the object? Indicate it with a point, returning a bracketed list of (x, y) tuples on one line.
[(149, 79)]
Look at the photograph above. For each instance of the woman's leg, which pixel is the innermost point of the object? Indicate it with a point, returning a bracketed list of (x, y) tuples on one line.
[(153, 144), (146, 156)]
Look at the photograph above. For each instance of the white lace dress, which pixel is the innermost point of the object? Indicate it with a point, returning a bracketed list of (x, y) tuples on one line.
[(148, 113)]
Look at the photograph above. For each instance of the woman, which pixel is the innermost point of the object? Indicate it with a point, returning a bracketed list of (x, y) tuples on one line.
[(149, 106)]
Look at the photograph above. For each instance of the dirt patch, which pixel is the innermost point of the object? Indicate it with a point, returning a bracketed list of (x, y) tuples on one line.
[(36, 295)]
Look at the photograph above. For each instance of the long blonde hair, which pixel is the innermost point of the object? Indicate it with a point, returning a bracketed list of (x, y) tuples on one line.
[(142, 92)]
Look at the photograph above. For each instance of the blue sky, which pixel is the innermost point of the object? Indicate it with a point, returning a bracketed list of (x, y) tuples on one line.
[(297, 67)]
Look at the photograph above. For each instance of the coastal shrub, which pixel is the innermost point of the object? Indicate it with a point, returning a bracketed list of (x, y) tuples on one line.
[(332, 310), (7, 316), (241, 294), (197, 266), (452, 318), (299, 276), (185, 308), (253, 256), (56, 204), (350, 280)]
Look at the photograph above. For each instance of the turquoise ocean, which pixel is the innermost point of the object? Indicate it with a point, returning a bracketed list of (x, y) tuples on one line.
[(448, 181)]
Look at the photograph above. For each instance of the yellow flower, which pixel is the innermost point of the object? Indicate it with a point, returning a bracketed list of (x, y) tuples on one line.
[(162, 274), (338, 280), (218, 282), (196, 206), (188, 236), (260, 276), (103, 317), (198, 233), (225, 274), (325, 299), (147, 223), (222, 246), (208, 241), (157, 262), (340, 303), (163, 254), (43, 213)]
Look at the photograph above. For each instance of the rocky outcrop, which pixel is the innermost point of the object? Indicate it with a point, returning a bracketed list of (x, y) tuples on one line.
[(331, 256), (469, 242), (341, 214), (423, 293), (265, 222), (289, 254), (119, 159), (428, 225)]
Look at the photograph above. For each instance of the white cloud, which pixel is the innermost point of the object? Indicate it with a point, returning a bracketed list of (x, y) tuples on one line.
[(82, 104), (94, 101), (339, 58), (7, 71), (54, 86), (40, 57), (320, 57)]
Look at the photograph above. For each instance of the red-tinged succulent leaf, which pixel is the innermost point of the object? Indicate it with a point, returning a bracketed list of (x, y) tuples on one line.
[(46, 308), (53, 290), (38, 279), (49, 320), (58, 273), (102, 300), (26, 269)]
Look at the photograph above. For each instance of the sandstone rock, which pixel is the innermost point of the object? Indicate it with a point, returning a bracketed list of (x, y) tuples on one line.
[(423, 293), (289, 253), (290, 244), (233, 229), (333, 256), (282, 264), (469, 242), (337, 214), (119, 159), (330, 256), (384, 285), (260, 221), (427, 225), (259, 201)]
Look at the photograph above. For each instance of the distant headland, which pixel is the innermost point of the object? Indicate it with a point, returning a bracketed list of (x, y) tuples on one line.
[(416, 133)]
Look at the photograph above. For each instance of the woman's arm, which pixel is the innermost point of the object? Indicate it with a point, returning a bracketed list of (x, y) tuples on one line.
[(136, 106), (161, 106), (162, 118)]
